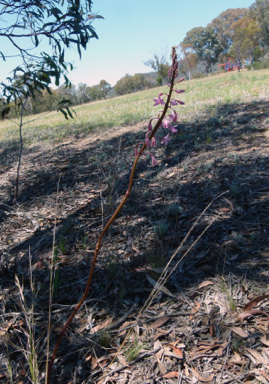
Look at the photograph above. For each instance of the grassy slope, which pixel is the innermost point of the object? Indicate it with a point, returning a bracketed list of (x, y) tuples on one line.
[(129, 109)]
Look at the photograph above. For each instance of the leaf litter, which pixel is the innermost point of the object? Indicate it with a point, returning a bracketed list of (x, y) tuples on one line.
[(202, 325)]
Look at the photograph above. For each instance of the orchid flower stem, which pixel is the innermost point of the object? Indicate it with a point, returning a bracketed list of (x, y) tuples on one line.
[(98, 245)]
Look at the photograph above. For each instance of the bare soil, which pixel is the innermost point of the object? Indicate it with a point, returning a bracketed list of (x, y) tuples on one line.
[(200, 326)]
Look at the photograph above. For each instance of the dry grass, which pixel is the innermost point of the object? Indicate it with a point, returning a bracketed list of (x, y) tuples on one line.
[(98, 116)]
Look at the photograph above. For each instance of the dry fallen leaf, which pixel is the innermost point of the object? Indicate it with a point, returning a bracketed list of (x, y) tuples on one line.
[(102, 325), (205, 284), (256, 355), (159, 322), (122, 360), (239, 331), (252, 303), (244, 315), (135, 249), (161, 366), (200, 377), (265, 340), (195, 309), (177, 351), (236, 359), (171, 375), (264, 374), (159, 286)]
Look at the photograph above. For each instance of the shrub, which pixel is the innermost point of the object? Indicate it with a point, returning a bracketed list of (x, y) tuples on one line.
[(197, 74)]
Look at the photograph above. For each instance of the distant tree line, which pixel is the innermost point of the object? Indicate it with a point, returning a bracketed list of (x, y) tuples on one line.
[(42, 101), (240, 33), (130, 84)]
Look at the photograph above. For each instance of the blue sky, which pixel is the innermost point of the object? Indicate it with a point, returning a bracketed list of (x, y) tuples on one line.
[(130, 31)]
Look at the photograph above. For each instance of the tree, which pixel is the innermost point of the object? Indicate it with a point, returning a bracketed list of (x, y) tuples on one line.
[(205, 44), (43, 102), (260, 12), (188, 60), (246, 41), (84, 92), (224, 26), (104, 88), (30, 22), (140, 82), (160, 65), (124, 85)]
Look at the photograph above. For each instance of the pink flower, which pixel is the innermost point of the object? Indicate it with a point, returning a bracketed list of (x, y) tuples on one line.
[(153, 142), (147, 141), (172, 129), (153, 160), (173, 116), (179, 81), (166, 140), (166, 123), (150, 126), (179, 90), (136, 151), (176, 102), (159, 100)]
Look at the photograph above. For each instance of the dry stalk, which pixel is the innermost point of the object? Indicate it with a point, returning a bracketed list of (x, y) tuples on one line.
[(174, 73), (51, 279)]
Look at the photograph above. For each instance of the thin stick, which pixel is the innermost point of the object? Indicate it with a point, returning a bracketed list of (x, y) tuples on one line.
[(51, 282), (19, 164)]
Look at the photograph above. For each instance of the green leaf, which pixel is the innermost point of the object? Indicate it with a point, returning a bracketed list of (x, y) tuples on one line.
[(96, 17), (5, 112), (36, 41), (64, 101), (3, 57), (63, 112)]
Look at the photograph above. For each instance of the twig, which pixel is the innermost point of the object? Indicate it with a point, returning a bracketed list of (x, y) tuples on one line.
[(227, 353), (122, 319)]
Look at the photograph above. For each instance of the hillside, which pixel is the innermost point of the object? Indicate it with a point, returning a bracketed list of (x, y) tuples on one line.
[(204, 208)]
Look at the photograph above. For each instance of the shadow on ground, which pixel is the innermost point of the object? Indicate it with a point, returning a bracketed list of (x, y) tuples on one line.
[(68, 192)]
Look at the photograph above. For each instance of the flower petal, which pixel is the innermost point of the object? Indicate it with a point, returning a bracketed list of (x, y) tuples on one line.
[(153, 142), (173, 116), (153, 160), (166, 123), (166, 140), (147, 142), (173, 129)]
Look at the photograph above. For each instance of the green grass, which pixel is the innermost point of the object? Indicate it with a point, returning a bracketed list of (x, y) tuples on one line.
[(200, 94)]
